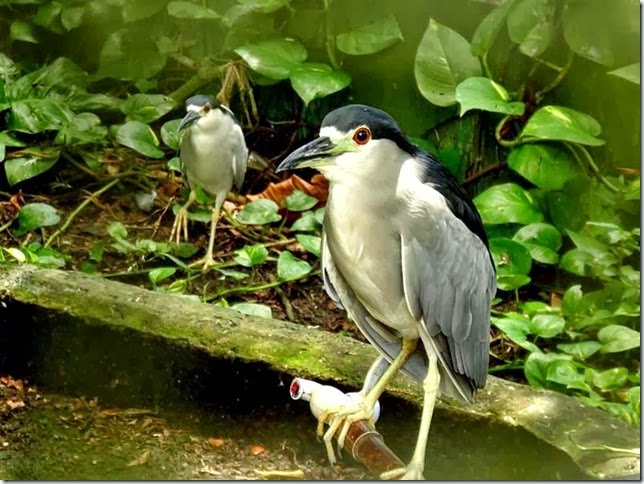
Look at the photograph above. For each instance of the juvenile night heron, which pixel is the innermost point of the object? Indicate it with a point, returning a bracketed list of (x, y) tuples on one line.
[(405, 253), (213, 157)]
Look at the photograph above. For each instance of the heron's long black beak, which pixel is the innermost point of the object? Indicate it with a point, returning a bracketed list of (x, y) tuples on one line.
[(189, 119), (316, 153)]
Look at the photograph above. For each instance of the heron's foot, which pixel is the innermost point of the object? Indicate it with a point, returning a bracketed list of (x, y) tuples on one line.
[(412, 472), (341, 418), (205, 262), (180, 225)]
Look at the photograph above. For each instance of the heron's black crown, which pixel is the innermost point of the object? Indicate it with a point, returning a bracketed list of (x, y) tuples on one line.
[(382, 126), (201, 100)]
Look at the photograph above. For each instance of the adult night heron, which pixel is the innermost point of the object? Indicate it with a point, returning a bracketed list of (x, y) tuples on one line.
[(213, 157), (405, 253)]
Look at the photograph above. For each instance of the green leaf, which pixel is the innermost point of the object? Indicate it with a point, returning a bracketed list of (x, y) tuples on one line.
[(573, 303), (140, 138), (561, 123), (517, 330), (482, 93), (547, 166), (536, 367), (170, 134), (189, 10), (259, 212), (35, 215), (253, 309), (23, 30), (566, 373), (542, 240), (84, 128), (580, 20), (16, 254), (610, 380), (72, 17), (588, 244), (507, 203), (313, 81), (96, 253), (33, 162), (306, 223), (130, 55), (174, 163), (547, 325), (235, 275), (273, 58), (371, 37), (630, 73), (133, 11), (158, 274), (290, 267), (264, 6), (251, 255), (616, 338), (311, 243), (299, 201), (443, 60), (37, 115), (531, 25), (512, 261), (117, 230), (48, 17), (580, 350), (489, 28), (576, 261), (147, 107)]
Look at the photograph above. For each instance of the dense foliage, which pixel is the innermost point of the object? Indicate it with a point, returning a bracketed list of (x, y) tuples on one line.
[(502, 110)]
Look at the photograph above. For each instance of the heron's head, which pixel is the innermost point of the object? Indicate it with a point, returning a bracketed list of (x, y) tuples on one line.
[(353, 139), (204, 111)]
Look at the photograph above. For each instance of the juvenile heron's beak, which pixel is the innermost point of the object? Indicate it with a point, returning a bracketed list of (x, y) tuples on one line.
[(189, 119), (319, 152)]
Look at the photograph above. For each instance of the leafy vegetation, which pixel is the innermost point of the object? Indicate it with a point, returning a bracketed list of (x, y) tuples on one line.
[(505, 96)]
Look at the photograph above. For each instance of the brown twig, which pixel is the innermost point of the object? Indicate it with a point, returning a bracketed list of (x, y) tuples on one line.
[(475, 176)]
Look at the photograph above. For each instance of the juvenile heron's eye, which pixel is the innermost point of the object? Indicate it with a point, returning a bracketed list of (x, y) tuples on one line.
[(206, 108), (362, 135)]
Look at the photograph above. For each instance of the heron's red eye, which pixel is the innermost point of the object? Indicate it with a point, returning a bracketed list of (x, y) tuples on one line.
[(206, 108), (362, 135)]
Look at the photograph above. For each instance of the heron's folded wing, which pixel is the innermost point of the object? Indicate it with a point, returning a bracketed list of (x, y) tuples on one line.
[(240, 157), (449, 281)]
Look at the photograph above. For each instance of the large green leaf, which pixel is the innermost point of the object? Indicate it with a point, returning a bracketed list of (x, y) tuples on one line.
[(84, 128), (23, 31), (33, 161), (547, 166), (443, 60), (140, 138), (264, 6), (561, 123), (542, 240), (531, 25), (507, 203), (566, 373), (630, 73), (259, 212), (580, 350), (513, 263), (547, 325), (612, 379), (290, 267), (251, 255), (580, 21), (274, 59), (130, 54), (189, 10), (311, 243), (170, 133), (573, 302), (616, 338), (489, 28), (536, 366), (35, 215), (298, 201), (37, 115), (312, 81), (517, 330), (482, 93), (147, 107), (133, 10), (371, 37)]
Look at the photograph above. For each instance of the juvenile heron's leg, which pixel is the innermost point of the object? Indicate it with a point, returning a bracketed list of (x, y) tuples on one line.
[(414, 470), (181, 220), (209, 260), (345, 415)]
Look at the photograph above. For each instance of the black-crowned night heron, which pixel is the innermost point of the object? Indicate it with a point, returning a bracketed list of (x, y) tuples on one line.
[(405, 253), (213, 157)]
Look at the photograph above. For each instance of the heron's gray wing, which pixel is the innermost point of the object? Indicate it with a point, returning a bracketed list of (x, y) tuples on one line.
[(449, 282), (240, 156), (379, 335)]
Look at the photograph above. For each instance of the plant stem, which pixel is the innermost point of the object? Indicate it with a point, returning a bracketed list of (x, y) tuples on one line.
[(8, 224), (589, 159), (563, 71), (486, 66), (330, 37), (499, 138), (79, 209), (259, 287)]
